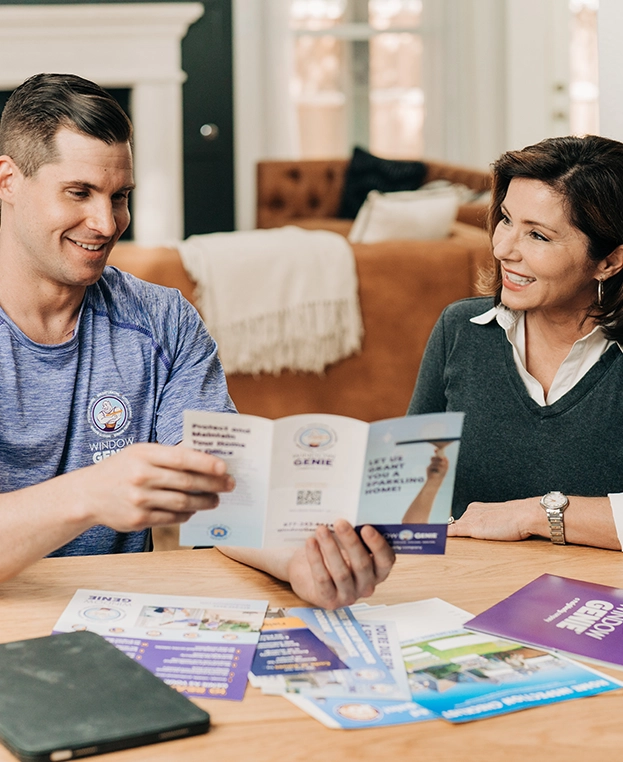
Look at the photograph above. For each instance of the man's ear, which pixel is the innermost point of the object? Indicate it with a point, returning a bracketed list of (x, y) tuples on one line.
[(612, 264), (9, 174)]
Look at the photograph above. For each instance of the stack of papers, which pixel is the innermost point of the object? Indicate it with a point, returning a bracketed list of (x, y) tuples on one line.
[(363, 666), (439, 669)]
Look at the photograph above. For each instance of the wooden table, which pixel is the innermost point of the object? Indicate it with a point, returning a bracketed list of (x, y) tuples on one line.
[(472, 574)]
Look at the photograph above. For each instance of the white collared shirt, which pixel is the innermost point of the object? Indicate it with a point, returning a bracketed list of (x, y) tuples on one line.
[(581, 358)]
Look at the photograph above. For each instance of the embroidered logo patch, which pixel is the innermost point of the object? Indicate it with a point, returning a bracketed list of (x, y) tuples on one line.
[(109, 414)]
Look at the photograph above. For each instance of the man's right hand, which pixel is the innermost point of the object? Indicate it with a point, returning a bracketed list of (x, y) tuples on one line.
[(148, 485), (145, 485)]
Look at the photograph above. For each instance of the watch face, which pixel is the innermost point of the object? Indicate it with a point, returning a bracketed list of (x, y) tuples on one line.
[(555, 500)]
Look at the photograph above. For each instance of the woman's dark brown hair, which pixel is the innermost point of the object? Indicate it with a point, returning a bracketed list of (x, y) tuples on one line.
[(587, 173)]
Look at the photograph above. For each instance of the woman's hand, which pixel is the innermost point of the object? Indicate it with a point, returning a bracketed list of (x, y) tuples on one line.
[(588, 521), (510, 521)]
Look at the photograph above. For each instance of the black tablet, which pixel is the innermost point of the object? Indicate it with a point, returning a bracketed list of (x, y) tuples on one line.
[(75, 695)]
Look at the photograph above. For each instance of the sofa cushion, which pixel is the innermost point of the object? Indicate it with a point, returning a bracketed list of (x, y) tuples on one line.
[(367, 172), (407, 215), (333, 224)]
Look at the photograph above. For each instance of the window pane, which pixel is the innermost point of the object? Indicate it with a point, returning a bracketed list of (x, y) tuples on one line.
[(319, 95), (396, 96), (386, 13), (338, 101), (584, 87)]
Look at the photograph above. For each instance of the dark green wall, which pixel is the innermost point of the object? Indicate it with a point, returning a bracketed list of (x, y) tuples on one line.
[(208, 98)]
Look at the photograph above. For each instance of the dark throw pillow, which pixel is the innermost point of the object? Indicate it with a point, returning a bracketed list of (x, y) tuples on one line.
[(367, 172)]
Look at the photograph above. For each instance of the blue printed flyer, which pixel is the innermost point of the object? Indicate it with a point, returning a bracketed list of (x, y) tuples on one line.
[(287, 646), (202, 647), (462, 675), (352, 711), (297, 473), (363, 671)]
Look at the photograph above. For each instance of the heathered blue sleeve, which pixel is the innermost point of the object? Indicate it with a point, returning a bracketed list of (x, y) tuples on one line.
[(195, 381)]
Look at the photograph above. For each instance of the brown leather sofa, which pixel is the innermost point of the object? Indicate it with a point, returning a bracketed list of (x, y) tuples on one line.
[(403, 287), (308, 192)]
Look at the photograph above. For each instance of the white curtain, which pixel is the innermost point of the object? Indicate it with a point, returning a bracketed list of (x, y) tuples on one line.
[(265, 121)]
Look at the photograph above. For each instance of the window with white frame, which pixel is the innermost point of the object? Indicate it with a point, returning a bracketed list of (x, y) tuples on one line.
[(357, 77), (584, 83)]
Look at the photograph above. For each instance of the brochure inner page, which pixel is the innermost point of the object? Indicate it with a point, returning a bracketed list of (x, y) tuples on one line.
[(316, 475), (245, 442), (408, 480)]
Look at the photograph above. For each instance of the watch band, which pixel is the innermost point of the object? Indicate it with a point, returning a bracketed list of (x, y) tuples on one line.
[(555, 504)]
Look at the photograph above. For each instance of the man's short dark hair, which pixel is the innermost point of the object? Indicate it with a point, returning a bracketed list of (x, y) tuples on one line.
[(45, 103)]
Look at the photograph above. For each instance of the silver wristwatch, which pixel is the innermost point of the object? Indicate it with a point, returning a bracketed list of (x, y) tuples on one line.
[(555, 504)]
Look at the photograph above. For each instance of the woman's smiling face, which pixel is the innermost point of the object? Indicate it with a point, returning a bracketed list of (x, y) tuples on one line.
[(544, 260)]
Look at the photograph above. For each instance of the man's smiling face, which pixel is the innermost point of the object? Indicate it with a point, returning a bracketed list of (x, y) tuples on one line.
[(69, 215)]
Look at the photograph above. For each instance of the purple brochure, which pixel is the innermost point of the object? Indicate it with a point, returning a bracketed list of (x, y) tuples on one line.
[(561, 614)]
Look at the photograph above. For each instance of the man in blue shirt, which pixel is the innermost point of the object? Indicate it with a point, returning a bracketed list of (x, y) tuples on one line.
[(96, 367)]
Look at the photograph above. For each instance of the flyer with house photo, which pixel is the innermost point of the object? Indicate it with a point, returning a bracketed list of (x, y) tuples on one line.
[(299, 472)]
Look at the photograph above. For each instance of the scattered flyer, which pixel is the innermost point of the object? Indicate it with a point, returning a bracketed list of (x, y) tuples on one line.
[(462, 675), (297, 473), (365, 674), (287, 645), (202, 647), (348, 712)]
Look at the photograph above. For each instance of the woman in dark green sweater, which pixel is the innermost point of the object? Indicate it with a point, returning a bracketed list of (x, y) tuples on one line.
[(537, 366)]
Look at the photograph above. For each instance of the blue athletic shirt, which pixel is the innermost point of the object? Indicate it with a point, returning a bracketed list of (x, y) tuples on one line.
[(140, 355)]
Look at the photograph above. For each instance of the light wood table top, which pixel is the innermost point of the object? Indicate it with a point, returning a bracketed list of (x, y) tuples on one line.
[(473, 575)]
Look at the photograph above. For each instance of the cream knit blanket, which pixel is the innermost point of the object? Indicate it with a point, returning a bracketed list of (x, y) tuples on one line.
[(284, 298)]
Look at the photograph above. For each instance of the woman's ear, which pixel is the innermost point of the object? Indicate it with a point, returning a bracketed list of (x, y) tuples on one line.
[(611, 265)]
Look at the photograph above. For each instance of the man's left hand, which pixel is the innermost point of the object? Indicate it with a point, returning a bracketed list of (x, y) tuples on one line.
[(335, 569)]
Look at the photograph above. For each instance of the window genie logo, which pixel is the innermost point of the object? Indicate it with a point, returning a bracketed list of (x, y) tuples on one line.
[(109, 414), (101, 613), (219, 531), (318, 437)]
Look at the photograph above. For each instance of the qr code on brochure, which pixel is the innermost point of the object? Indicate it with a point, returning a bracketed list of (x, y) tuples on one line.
[(308, 496)]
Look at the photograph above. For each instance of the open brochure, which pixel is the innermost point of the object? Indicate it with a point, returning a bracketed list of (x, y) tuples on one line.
[(203, 647), (297, 473)]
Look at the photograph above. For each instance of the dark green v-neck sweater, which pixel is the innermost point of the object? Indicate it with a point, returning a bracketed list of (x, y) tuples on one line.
[(512, 447)]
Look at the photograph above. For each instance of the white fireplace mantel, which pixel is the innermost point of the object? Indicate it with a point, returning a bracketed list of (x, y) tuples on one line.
[(133, 45)]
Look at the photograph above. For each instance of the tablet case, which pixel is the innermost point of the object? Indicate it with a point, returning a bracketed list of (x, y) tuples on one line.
[(73, 695)]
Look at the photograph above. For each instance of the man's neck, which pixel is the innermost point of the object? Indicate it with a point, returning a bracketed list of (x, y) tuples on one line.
[(47, 313)]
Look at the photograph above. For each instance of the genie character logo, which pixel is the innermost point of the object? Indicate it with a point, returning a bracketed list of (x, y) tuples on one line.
[(315, 438), (109, 414), (219, 531), (101, 613)]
